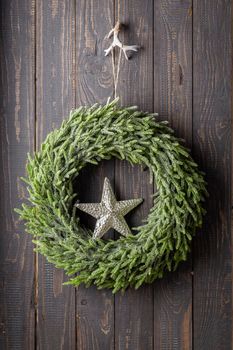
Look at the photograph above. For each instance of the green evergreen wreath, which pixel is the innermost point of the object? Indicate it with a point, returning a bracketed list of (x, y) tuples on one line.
[(89, 136)]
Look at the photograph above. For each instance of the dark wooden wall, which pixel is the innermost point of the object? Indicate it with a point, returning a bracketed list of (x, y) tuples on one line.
[(52, 59)]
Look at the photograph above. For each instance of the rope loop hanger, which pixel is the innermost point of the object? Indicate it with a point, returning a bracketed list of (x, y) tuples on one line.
[(123, 48)]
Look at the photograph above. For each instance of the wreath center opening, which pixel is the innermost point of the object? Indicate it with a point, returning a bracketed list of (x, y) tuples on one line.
[(123, 207)]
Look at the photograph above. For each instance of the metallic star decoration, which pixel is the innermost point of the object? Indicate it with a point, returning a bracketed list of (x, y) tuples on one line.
[(110, 212)]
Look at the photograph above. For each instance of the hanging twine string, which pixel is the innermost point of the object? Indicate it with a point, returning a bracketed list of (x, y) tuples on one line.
[(123, 48), (116, 71)]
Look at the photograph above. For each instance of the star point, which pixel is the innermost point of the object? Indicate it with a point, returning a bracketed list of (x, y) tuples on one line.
[(109, 212)]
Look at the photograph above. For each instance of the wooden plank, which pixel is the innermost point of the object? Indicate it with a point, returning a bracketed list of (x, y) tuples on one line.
[(94, 82), (173, 101), (95, 309), (17, 313), (55, 98), (212, 144), (134, 309)]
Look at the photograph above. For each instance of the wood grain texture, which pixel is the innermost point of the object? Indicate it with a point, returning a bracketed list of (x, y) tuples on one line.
[(134, 309), (94, 19), (55, 97), (173, 102), (95, 309), (17, 316), (212, 144)]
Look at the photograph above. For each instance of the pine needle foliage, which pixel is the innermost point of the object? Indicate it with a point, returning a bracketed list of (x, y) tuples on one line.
[(89, 136)]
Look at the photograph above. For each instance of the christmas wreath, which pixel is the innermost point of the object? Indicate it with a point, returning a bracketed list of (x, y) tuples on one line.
[(89, 136)]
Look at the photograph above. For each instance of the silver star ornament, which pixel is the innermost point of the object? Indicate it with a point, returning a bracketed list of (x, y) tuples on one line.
[(109, 212)]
